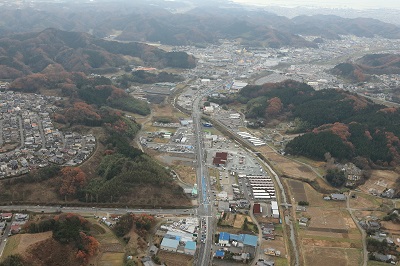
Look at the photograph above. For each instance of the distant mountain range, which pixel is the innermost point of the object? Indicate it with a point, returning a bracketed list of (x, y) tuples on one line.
[(160, 22), (371, 64), (29, 53)]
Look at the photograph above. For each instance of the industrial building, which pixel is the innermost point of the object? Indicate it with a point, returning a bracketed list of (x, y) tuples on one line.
[(169, 244)]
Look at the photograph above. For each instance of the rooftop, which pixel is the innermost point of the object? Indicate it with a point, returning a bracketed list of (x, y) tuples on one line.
[(250, 240), (171, 243), (224, 236), (190, 245), (257, 208), (219, 253)]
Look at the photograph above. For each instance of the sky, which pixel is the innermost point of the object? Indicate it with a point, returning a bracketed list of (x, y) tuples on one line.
[(355, 4)]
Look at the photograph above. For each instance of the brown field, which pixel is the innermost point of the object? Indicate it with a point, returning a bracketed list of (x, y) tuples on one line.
[(310, 233), (316, 199), (329, 218), (297, 190), (30, 239), (19, 244), (239, 220), (111, 259), (277, 244), (186, 173), (331, 256), (229, 219), (286, 166), (365, 201), (379, 181), (326, 243), (361, 214), (376, 263), (166, 110), (175, 259)]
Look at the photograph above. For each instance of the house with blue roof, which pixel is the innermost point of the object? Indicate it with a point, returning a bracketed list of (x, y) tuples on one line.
[(220, 254), (169, 244), (190, 248), (223, 238)]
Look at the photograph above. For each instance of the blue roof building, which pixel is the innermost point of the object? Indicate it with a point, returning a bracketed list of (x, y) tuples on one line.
[(169, 244), (223, 238), (234, 237), (190, 247), (250, 240), (219, 254)]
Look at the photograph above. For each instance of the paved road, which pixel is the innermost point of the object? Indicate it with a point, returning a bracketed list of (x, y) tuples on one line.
[(203, 184), (363, 234), (4, 238), (94, 210)]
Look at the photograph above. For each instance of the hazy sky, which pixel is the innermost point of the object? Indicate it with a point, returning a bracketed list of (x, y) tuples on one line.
[(356, 4)]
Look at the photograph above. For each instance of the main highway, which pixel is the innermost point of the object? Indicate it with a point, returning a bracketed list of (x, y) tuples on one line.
[(204, 210)]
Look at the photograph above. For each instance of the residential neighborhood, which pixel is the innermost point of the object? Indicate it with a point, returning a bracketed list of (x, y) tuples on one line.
[(29, 138)]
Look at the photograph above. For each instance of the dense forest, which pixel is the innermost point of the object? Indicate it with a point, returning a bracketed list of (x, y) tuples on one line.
[(202, 23), (55, 51), (143, 77), (371, 64), (344, 124)]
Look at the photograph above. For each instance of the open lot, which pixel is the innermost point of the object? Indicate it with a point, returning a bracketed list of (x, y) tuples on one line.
[(278, 244), (316, 199), (286, 166), (186, 173), (329, 218), (331, 256), (175, 259), (367, 201), (20, 243)]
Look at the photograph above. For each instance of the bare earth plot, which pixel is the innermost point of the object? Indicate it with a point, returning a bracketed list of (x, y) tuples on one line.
[(297, 189), (328, 218), (287, 167), (331, 256), (316, 199), (291, 169), (365, 201), (331, 237), (20, 243), (175, 259)]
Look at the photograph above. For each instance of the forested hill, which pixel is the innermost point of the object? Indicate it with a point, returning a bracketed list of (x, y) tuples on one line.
[(29, 53), (185, 22), (346, 125), (371, 64)]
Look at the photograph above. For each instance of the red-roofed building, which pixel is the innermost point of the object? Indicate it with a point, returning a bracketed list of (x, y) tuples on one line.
[(220, 158), (222, 155), (257, 208), (15, 228), (6, 216)]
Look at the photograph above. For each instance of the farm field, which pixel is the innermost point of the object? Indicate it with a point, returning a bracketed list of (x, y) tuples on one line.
[(175, 259), (18, 244), (331, 236), (286, 166), (331, 256)]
